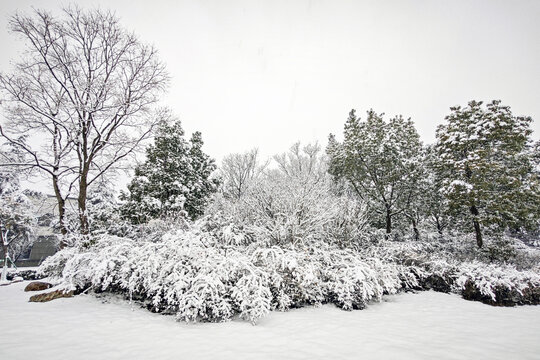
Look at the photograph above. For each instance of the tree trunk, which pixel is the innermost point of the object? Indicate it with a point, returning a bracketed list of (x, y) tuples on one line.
[(477, 229), (5, 250), (439, 226), (388, 223), (83, 216), (61, 209), (415, 229)]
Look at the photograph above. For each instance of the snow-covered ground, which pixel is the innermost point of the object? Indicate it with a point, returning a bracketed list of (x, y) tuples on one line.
[(426, 325)]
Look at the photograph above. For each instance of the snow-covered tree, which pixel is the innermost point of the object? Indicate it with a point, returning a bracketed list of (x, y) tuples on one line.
[(535, 156), (175, 178), (294, 201), (16, 219), (82, 92), (238, 172), (487, 167), (102, 206), (416, 211), (435, 203), (303, 161), (380, 160)]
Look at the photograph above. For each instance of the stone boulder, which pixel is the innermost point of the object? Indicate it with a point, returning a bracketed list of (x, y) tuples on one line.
[(37, 286), (57, 294)]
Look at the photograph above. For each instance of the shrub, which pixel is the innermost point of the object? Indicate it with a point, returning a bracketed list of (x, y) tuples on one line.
[(215, 270), (198, 276)]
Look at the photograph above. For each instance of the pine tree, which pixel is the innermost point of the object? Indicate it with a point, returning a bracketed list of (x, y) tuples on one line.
[(487, 167), (175, 178), (380, 160)]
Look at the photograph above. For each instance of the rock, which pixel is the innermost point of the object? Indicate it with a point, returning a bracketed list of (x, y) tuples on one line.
[(57, 294), (37, 286)]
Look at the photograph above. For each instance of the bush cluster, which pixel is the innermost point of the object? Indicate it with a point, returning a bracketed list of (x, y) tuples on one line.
[(205, 272), (198, 276)]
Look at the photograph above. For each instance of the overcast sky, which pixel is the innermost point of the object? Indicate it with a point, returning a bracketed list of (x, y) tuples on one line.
[(269, 73)]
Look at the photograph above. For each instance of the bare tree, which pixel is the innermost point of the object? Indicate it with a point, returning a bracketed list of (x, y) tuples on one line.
[(238, 170), (305, 161), (80, 100)]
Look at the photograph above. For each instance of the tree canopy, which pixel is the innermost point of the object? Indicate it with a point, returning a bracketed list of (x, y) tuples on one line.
[(380, 160), (175, 177), (80, 97), (487, 167)]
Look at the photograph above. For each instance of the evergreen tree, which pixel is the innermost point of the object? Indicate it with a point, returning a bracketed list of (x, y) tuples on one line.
[(487, 167), (174, 179), (104, 210), (380, 160)]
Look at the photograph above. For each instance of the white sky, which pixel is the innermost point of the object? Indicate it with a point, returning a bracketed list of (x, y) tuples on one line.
[(269, 73)]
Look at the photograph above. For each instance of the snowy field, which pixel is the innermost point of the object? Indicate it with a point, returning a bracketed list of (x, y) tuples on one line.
[(426, 325)]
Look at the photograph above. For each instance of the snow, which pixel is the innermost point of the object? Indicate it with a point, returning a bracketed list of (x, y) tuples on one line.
[(461, 183), (407, 326)]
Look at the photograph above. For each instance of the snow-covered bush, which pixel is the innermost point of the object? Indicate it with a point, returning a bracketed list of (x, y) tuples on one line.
[(291, 239), (209, 272), (498, 284), (353, 283), (294, 277), (461, 268), (202, 275), (54, 266), (182, 274)]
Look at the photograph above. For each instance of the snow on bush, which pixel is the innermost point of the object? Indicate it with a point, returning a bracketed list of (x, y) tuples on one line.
[(198, 275), (453, 265), (216, 269), (490, 280), (283, 210)]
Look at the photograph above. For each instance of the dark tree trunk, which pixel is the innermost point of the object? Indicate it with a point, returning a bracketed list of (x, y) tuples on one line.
[(57, 192), (478, 232), (3, 272), (439, 226), (4, 247), (61, 209), (83, 216), (388, 223), (477, 229), (415, 229)]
